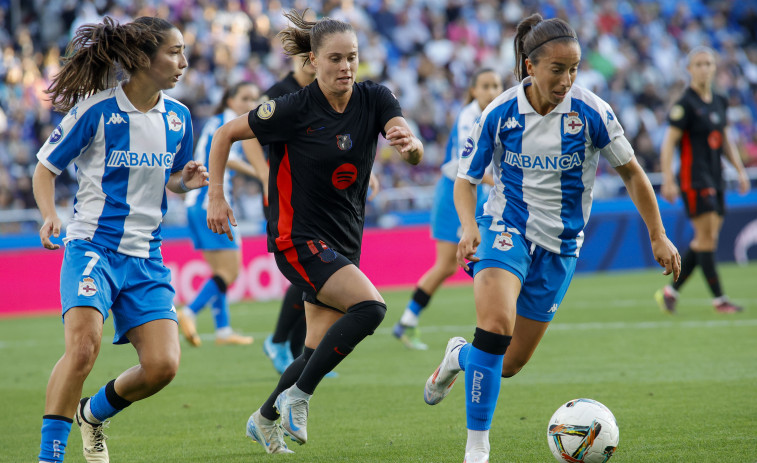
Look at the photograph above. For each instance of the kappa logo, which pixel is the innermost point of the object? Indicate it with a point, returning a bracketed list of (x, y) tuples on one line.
[(115, 118), (510, 123), (553, 309)]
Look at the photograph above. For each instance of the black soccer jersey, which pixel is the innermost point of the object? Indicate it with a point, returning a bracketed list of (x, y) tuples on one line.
[(321, 163), (283, 87), (701, 145)]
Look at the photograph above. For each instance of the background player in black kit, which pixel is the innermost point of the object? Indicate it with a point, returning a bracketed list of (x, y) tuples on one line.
[(698, 127), (323, 144)]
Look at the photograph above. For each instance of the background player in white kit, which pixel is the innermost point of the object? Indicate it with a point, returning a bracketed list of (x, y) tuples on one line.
[(544, 138), (128, 143)]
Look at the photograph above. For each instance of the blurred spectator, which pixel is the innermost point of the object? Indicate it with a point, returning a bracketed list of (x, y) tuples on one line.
[(424, 50)]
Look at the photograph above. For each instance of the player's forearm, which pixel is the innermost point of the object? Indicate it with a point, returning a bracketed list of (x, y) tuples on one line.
[(414, 155), (465, 202), (43, 186), (666, 153), (217, 159), (174, 183)]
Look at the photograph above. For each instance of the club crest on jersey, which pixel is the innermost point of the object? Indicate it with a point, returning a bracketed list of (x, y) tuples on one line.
[(56, 136), (344, 142), (174, 123), (572, 123), (265, 111), (87, 287), (503, 242)]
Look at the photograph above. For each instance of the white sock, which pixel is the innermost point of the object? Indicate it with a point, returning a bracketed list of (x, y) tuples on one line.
[(88, 416), (477, 441), (409, 319), (295, 392), (224, 332)]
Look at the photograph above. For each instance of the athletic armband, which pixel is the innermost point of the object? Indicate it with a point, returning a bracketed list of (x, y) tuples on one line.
[(618, 152)]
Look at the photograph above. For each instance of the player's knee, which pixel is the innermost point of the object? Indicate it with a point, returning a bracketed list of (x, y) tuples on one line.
[(82, 356), (371, 313), (160, 372)]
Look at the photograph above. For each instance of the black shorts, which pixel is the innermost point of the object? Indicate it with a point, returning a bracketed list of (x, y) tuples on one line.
[(308, 266), (698, 202)]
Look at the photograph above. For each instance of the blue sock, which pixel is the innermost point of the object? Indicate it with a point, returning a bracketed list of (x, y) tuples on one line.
[(482, 382), (55, 431), (462, 358), (107, 402), (414, 307), (418, 301), (221, 311), (209, 290)]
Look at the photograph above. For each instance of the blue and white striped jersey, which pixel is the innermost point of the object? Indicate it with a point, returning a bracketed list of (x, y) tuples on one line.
[(457, 136), (202, 153), (123, 159), (544, 166)]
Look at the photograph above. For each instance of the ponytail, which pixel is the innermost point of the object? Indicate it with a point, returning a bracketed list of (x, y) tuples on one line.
[(306, 36)]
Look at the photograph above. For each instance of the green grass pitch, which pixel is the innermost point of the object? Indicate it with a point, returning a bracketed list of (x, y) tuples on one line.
[(683, 388)]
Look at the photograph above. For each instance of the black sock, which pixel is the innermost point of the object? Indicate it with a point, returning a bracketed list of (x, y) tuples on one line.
[(297, 336), (292, 310), (421, 297), (222, 286), (288, 378), (707, 262), (688, 264), (360, 321)]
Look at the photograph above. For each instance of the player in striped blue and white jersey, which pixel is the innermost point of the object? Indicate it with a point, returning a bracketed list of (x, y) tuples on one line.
[(128, 144), (544, 138), (223, 256), (445, 225)]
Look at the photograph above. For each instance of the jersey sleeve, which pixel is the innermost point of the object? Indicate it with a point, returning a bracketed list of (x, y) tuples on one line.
[(69, 139), (478, 149), (185, 150), (387, 106), (272, 121), (680, 114)]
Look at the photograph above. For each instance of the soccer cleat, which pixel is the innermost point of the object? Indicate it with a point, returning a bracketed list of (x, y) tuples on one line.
[(279, 353), (727, 307), (92, 436), (188, 328), (666, 298), (294, 416), (267, 433), (440, 383), (234, 338), (409, 336), (476, 457)]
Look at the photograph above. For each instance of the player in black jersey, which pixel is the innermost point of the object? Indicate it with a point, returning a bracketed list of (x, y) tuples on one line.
[(323, 144), (698, 127)]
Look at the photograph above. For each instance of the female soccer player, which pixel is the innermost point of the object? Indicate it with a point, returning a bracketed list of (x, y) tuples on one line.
[(544, 137), (445, 226), (223, 256), (698, 126), (129, 143), (323, 143)]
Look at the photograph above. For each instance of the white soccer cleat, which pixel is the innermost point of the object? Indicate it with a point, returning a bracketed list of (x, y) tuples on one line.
[(476, 457), (440, 383), (267, 433), (294, 416), (92, 436)]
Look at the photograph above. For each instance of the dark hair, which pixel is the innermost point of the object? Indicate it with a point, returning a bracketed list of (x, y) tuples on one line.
[(533, 32), (99, 53), (230, 92), (474, 81), (305, 36)]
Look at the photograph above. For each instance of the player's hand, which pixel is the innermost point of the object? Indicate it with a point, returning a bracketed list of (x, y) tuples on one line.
[(220, 215), (666, 254), (669, 191), (51, 227), (374, 185), (467, 246), (402, 139), (195, 175), (744, 184)]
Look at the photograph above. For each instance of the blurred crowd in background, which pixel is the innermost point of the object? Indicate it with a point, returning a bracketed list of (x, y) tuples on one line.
[(634, 57)]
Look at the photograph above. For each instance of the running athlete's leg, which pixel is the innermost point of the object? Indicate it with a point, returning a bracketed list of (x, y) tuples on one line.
[(526, 336), (444, 267), (83, 333), (706, 231)]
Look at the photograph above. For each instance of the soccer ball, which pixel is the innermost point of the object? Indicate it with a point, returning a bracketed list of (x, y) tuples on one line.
[(583, 431)]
